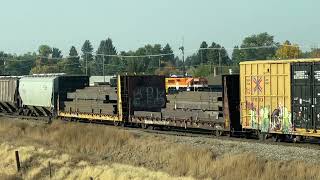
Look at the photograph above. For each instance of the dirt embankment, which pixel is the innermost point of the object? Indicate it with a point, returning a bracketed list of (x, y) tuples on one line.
[(81, 150)]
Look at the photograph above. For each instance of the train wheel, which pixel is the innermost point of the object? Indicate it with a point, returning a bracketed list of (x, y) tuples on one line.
[(218, 133), (144, 126), (298, 139), (262, 136), (275, 138), (116, 123)]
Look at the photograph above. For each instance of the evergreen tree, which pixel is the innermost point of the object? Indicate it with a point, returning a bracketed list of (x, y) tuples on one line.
[(87, 56), (237, 55), (72, 64), (218, 55), (106, 48), (168, 58), (192, 60), (44, 52), (203, 53), (56, 53)]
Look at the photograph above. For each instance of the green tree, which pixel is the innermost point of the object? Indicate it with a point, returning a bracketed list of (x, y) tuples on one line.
[(237, 55), (45, 62), (260, 46), (56, 56), (105, 48), (200, 58), (203, 53), (170, 57), (153, 63), (87, 56), (218, 55), (192, 60), (201, 71), (56, 53), (288, 51), (44, 52), (314, 53), (72, 63)]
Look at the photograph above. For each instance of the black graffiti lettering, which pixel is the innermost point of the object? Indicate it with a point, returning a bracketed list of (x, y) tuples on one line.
[(149, 97)]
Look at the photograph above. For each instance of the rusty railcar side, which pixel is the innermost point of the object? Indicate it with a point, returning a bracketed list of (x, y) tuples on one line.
[(231, 103), (145, 92)]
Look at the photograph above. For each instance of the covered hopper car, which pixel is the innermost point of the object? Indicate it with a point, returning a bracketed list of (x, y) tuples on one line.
[(36, 95)]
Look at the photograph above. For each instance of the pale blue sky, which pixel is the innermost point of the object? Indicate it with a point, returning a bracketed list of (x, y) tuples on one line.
[(61, 23)]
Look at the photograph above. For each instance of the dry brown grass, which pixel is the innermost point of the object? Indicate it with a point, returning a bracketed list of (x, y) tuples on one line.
[(10, 177), (153, 152)]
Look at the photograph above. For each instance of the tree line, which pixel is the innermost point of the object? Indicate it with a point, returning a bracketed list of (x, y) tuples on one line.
[(106, 60)]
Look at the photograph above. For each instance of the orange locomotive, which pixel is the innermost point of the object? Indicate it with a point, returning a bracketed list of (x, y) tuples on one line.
[(185, 83)]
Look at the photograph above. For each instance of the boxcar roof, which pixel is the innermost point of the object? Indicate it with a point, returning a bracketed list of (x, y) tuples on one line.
[(279, 61)]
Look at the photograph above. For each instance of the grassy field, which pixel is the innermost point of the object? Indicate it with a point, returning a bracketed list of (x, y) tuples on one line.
[(108, 146)]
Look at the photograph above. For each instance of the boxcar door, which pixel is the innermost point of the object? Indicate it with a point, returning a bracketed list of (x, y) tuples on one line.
[(316, 95), (301, 95)]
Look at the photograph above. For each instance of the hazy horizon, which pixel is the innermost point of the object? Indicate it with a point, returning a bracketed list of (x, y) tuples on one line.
[(132, 24)]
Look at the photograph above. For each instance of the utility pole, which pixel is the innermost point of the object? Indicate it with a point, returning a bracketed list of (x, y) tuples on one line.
[(220, 68), (4, 66), (159, 63), (104, 79), (86, 64), (183, 68), (200, 55)]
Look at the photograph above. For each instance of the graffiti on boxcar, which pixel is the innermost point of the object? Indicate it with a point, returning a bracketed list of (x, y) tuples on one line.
[(281, 120), (149, 97), (264, 119), (260, 118), (252, 113)]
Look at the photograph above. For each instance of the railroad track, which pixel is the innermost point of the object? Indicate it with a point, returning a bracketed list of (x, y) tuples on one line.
[(230, 138), (176, 132)]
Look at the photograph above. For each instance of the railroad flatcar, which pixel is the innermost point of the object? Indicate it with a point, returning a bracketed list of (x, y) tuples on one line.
[(281, 97), (109, 103)]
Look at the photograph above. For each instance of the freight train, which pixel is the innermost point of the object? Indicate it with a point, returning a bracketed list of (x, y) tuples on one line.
[(267, 99)]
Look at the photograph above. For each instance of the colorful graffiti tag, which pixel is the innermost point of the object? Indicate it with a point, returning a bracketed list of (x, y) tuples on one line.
[(281, 120), (264, 120)]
